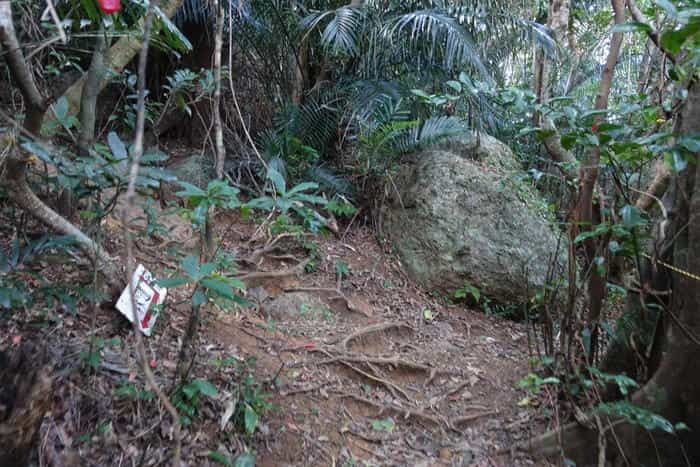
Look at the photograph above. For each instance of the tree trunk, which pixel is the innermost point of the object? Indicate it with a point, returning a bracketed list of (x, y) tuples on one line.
[(584, 215), (25, 396), (116, 59), (15, 170), (67, 204), (672, 391), (218, 126)]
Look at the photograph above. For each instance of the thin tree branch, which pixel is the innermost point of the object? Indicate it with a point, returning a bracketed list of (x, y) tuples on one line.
[(653, 34), (128, 207), (15, 174), (589, 176)]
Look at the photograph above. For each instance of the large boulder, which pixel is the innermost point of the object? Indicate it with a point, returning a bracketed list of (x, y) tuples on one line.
[(459, 213)]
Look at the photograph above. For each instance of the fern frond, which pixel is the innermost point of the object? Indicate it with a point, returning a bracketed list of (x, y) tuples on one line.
[(330, 182)]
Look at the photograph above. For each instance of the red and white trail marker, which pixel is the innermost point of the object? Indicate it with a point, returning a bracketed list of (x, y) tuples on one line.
[(146, 295)]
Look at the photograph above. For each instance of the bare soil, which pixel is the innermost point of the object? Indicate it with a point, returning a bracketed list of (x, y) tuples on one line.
[(380, 372)]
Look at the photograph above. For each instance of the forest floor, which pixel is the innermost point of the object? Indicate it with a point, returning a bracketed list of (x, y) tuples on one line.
[(376, 372)]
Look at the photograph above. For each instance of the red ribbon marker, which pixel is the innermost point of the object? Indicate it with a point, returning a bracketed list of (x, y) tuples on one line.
[(109, 6)]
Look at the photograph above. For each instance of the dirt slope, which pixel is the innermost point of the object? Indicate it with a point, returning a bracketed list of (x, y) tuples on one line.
[(343, 365), (380, 373)]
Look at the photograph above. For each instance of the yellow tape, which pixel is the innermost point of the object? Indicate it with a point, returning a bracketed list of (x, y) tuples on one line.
[(673, 268)]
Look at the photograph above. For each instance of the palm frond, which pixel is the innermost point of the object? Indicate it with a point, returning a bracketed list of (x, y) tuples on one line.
[(342, 33), (439, 31), (314, 122), (541, 35), (430, 132)]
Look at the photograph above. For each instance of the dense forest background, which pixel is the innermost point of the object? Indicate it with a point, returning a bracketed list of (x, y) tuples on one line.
[(527, 169)]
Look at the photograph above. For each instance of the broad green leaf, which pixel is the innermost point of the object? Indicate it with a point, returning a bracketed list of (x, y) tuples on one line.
[(669, 7), (218, 286), (191, 266), (190, 191), (175, 281), (420, 93), (250, 419), (456, 85), (676, 160), (60, 109), (673, 40), (681, 426), (245, 460), (277, 180), (632, 26), (302, 187), (205, 387), (568, 140), (117, 146), (178, 38), (631, 216), (220, 458), (189, 390), (383, 425), (154, 157), (264, 202), (206, 268), (91, 9), (691, 143)]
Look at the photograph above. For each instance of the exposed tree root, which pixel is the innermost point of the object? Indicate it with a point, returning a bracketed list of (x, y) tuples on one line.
[(371, 330), (391, 386), (455, 422), (303, 390), (257, 275), (394, 361), (573, 439), (271, 245), (340, 296), (405, 412), (370, 438)]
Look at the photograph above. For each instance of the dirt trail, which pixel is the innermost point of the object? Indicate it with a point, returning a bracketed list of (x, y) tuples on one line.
[(381, 373), (405, 391)]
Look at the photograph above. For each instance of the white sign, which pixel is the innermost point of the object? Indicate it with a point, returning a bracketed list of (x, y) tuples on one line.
[(146, 294)]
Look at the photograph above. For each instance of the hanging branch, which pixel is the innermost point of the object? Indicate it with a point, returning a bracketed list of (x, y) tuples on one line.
[(129, 205)]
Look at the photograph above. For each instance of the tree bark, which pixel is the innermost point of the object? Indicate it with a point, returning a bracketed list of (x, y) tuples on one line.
[(588, 179), (91, 90), (116, 59), (25, 396), (218, 126), (672, 391), (15, 173), (558, 23)]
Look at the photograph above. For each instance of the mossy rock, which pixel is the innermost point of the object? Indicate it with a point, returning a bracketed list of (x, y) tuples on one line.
[(454, 219)]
